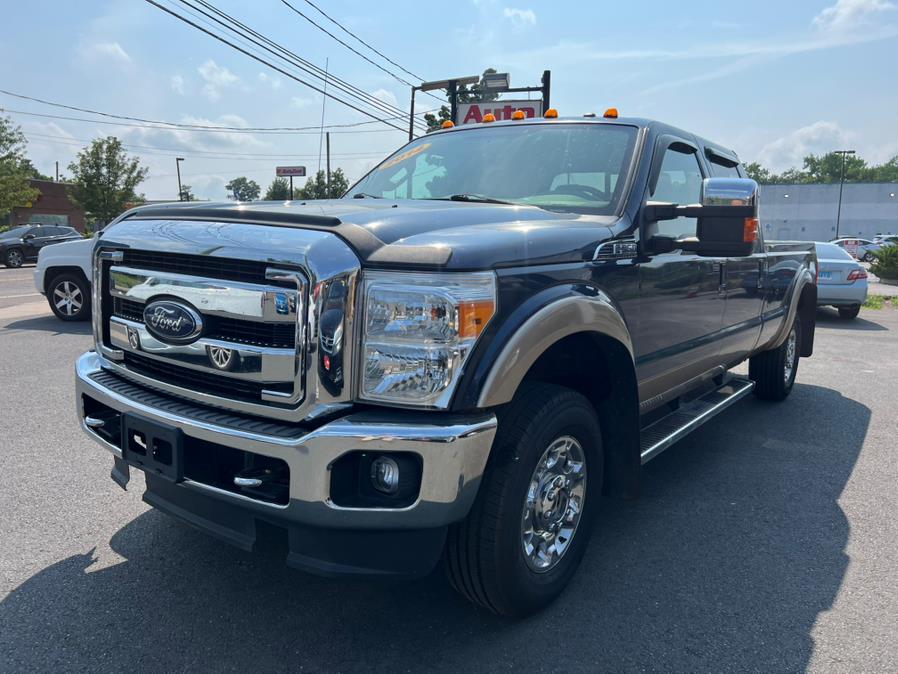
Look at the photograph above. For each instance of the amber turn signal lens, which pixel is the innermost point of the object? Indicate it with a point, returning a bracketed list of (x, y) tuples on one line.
[(473, 317), (750, 230), (611, 113), (448, 124), (489, 117), (551, 113)]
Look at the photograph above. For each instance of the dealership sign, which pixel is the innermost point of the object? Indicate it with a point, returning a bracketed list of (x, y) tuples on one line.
[(472, 113), (290, 171)]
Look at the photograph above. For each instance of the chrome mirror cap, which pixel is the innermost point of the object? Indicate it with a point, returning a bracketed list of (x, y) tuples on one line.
[(729, 192)]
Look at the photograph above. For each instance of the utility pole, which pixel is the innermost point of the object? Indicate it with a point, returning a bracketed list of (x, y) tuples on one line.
[(57, 171), (844, 153), (178, 161), (323, 101), (328, 184)]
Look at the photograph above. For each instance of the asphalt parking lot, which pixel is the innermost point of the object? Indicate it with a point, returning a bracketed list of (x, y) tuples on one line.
[(766, 541)]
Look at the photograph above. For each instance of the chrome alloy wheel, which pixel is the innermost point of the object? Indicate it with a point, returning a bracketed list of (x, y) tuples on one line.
[(68, 298), (791, 354), (554, 504), (14, 258)]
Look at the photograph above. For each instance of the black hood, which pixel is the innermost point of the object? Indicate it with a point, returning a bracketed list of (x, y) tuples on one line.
[(459, 235)]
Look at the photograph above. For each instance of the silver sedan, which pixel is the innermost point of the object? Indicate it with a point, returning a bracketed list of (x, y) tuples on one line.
[(841, 280)]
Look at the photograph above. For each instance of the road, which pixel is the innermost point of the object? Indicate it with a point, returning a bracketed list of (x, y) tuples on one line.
[(766, 541), (18, 294)]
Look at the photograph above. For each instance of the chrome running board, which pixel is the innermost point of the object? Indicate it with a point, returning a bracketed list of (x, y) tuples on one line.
[(660, 435)]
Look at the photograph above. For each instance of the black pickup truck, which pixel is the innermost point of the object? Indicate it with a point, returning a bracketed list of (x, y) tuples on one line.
[(496, 326)]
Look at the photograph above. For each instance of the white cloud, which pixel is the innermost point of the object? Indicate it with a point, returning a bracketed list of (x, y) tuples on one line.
[(385, 96), (847, 14), (300, 102), (273, 82), (107, 51), (789, 151), (520, 17), (216, 78), (177, 84), (186, 140)]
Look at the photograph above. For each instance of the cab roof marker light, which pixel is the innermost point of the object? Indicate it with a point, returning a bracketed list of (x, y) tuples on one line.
[(551, 113), (518, 114), (610, 113), (448, 124), (489, 117)]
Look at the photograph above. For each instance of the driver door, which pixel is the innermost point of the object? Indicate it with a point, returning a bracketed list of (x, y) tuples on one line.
[(681, 303)]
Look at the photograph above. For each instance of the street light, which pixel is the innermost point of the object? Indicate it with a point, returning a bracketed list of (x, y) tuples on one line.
[(844, 153), (178, 161), (450, 84)]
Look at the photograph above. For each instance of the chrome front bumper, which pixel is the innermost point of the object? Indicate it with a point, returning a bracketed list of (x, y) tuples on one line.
[(453, 449)]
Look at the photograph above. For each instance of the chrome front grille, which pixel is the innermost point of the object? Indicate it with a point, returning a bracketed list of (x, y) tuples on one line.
[(273, 309)]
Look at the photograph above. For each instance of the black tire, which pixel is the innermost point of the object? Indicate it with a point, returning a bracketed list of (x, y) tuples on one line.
[(485, 557), (14, 258), (849, 312), (768, 369), (69, 297), (868, 257)]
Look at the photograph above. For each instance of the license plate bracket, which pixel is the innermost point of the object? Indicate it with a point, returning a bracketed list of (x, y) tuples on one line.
[(153, 447)]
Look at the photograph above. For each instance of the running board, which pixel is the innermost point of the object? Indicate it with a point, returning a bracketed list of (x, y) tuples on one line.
[(660, 435)]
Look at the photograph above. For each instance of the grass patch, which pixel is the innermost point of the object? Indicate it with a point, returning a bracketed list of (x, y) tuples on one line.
[(874, 302)]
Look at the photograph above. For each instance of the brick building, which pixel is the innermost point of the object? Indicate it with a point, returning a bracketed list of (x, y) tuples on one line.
[(52, 207)]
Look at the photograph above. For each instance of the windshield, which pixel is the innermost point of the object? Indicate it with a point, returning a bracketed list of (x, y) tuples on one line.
[(579, 168), (15, 232)]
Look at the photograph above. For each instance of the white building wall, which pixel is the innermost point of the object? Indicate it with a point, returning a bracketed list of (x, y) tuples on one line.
[(808, 212)]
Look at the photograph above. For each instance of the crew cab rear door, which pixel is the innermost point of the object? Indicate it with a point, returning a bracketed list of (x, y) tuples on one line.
[(681, 304)]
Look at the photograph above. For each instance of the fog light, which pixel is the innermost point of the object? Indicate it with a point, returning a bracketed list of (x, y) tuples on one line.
[(385, 475)]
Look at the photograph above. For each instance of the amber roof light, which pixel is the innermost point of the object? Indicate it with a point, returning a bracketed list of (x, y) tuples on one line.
[(518, 114), (489, 117), (551, 113), (448, 124), (611, 113)]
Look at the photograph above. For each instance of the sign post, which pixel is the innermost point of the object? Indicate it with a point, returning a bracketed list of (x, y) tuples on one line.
[(289, 172)]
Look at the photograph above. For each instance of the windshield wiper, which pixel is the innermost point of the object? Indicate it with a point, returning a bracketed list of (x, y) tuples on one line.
[(365, 195), (476, 198)]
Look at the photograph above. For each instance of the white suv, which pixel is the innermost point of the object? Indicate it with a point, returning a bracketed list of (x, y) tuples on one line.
[(63, 275)]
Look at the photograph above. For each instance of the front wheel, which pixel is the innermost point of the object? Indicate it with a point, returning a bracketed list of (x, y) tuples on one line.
[(774, 371), (530, 525), (868, 257), (69, 297), (14, 258), (850, 312)]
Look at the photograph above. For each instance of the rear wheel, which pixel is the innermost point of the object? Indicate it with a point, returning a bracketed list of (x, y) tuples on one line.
[(868, 257), (14, 258), (69, 297), (774, 371), (530, 525), (849, 312)]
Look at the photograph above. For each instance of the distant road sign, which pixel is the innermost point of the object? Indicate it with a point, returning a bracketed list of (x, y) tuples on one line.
[(291, 171)]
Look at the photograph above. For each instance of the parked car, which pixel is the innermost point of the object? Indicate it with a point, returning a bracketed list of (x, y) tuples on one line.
[(886, 239), (497, 325), (63, 275), (23, 243), (862, 249), (841, 280)]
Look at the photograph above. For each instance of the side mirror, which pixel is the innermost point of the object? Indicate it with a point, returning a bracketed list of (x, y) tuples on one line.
[(28, 237), (727, 219)]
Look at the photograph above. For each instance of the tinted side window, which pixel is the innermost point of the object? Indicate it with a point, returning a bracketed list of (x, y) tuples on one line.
[(679, 182), (721, 168)]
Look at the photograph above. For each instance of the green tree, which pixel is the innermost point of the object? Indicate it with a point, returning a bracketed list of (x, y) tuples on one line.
[(105, 179), (476, 92), (317, 187), (278, 190), (827, 168), (15, 169), (241, 189), (187, 193), (757, 173)]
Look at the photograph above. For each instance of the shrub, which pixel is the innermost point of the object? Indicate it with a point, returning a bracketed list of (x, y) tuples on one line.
[(886, 263)]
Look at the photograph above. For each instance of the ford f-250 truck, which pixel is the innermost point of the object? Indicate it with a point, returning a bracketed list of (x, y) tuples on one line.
[(494, 327)]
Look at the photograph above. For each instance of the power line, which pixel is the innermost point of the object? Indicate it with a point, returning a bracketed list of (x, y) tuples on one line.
[(269, 64), (356, 37), (182, 125), (206, 154), (285, 54), (307, 131)]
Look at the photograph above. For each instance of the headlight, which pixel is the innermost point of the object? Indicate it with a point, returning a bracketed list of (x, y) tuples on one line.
[(419, 330)]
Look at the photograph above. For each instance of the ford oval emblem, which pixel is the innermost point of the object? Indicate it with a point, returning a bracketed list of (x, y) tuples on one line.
[(172, 322)]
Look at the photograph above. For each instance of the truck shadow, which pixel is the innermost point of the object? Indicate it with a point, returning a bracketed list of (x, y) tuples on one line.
[(51, 324), (735, 548), (829, 318)]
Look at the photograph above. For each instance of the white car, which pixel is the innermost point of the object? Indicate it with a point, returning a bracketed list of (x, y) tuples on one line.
[(63, 275), (841, 280)]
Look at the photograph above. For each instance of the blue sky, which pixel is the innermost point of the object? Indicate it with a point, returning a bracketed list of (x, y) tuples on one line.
[(774, 80)]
